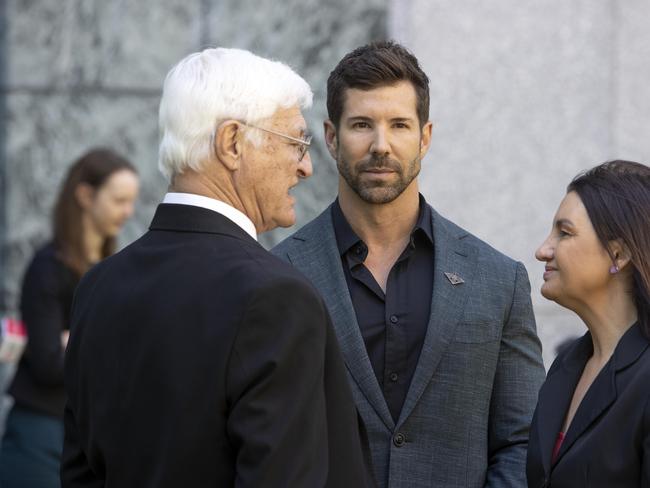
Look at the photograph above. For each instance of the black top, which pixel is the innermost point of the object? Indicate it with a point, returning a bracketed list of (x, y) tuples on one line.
[(48, 288), (197, 358), (393, 324)]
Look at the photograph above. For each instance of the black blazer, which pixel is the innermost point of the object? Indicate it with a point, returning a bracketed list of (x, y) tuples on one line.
[(608, 442), (198, 359)]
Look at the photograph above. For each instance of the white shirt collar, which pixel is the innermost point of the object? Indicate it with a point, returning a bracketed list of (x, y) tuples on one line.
[(218, 206)]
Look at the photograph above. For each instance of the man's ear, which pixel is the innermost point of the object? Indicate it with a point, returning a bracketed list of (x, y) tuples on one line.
[(331, 138), (621, 253), (425, 138), (228, 143), (85, 194)]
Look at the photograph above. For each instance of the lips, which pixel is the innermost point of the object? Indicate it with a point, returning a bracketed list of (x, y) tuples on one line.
[(380, 165), (548, 270)]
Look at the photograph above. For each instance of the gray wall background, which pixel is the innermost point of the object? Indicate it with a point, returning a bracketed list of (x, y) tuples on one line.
[(524, 95)]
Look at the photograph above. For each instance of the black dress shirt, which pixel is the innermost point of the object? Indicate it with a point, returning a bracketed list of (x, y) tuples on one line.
[(393, 324)]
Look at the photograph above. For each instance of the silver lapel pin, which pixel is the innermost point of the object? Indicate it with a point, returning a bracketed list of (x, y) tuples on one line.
[(454, 279)]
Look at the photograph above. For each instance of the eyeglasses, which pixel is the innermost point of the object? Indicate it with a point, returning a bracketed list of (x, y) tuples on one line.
[(303, 143)]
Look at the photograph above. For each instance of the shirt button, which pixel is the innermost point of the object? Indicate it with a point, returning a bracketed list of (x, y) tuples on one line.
[(393, 377), (399, 439), (357, 250), (394, 319)]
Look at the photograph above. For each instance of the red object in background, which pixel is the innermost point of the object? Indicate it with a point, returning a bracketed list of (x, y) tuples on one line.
[(13, 338)]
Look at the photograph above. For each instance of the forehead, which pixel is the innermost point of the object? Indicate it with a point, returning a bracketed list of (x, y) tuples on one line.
[(395, 101), (122, 179), (289, 117), (572, 208)]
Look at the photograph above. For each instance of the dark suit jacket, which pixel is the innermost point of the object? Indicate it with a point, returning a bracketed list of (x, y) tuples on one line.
[(198, 359), (465, 420), (608, 442)]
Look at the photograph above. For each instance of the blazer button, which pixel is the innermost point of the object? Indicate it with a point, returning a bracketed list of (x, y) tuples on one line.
[(399, 439)]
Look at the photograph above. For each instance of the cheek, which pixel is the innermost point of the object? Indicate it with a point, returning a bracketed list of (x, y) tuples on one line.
[(105, 212)]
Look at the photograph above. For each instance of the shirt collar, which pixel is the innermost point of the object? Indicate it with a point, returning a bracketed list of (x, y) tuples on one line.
[(425, 219), (346, 238), (218, 206)]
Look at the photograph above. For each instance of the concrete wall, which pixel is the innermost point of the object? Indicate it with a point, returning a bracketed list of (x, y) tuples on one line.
[(79, 74), (524, 96)]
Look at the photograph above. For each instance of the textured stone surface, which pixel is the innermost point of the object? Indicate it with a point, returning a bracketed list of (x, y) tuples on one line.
[(632, 118), (524, 96), (81, 74), (118, 43), (46, 134)]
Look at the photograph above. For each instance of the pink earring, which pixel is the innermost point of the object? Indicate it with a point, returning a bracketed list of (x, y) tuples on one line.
[(613, 269)]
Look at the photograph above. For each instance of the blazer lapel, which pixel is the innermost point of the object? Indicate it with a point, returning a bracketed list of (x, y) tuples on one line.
[(319, 260), (555, 398), (602, 392), (451, 255)]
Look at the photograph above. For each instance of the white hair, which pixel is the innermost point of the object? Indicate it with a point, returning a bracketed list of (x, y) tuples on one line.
[(208, 87)]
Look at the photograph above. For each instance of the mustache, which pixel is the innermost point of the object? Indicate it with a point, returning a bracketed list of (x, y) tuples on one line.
[(380, 162)]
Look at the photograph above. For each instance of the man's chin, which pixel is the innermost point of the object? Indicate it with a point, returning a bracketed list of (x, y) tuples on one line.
[(284, 221), (378, 195)]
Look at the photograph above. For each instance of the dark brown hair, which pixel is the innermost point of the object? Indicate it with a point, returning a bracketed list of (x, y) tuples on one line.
[(93, 168), (372, 66), (616, 195)]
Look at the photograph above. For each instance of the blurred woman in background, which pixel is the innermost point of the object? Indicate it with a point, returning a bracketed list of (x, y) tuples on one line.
[(96, 199), (592, 423)]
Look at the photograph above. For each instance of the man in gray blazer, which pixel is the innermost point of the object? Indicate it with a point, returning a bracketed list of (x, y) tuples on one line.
[(436, 327)]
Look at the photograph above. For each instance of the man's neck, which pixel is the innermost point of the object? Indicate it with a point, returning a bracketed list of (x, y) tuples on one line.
[(381, 226), (198, 184)]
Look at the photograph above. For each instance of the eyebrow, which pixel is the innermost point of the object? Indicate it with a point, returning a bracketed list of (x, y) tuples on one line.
[(561, 222), (364, 118)]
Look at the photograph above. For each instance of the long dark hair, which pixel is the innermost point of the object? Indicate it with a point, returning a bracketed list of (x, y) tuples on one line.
[(616, 195), (93, 168)]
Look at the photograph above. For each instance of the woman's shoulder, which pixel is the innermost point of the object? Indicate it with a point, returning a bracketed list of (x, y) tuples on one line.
[(47, 266)]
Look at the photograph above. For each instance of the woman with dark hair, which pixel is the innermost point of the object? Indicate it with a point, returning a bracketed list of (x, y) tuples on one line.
[(95, 200), (592, 423)]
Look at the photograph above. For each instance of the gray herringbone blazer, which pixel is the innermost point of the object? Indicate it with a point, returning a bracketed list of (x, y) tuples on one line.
[(466, 417)]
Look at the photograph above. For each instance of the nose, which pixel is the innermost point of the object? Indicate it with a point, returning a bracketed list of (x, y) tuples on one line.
[(305, 169), (545, 251), (380, 145)]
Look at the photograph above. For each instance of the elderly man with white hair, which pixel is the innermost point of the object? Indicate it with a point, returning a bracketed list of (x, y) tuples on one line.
[(196, 358)]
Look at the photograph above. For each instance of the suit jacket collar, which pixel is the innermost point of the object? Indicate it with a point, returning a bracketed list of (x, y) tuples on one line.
[(557, 392), (319, 258), (322, 263), (190, 218)]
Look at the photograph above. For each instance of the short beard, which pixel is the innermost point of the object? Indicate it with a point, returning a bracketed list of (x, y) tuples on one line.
[(379, 192)]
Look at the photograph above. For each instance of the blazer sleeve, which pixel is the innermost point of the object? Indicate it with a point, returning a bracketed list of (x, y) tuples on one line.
[(275, 387), (75, 468), (519, 376)]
